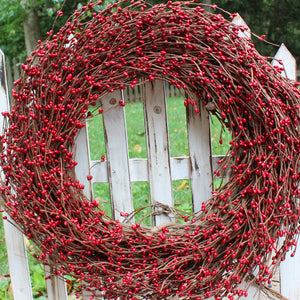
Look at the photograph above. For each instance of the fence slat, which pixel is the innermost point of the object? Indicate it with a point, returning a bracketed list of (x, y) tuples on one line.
[(200, 155), (290, 268), (289, 62), (180, 169), (82, 157), (82, 169), (238, 20), (158, 147), (114, 124), (17, 259), (56, 287), (15, 243), (254, 293)]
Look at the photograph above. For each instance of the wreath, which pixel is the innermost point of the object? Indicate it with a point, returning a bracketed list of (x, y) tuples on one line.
[(237, 232)]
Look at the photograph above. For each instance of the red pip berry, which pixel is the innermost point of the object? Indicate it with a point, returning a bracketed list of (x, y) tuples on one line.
[(261, 38), (69, 77), (151, 77)]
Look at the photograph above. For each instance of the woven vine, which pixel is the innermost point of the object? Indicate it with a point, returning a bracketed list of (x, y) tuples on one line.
[(237, 231)]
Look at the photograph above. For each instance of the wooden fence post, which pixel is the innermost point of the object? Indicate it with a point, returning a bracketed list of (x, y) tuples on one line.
[(15, 243), (253, 292), (56, 286), (158, 147), (290, 268), (82, 170)]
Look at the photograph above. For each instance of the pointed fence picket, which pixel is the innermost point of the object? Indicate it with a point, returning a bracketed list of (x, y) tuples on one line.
[(15, 242), (159, 169), (290, 268)]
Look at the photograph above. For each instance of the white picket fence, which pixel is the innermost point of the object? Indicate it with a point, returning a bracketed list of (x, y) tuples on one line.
[(159, 169)]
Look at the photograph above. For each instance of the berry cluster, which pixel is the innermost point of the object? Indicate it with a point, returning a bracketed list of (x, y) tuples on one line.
[(97, 52)]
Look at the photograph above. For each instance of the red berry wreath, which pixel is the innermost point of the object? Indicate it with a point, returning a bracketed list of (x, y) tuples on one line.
[(97, 52)]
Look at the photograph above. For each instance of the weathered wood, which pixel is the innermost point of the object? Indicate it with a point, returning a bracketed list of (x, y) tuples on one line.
[(290, 268), (82, 170), (56, 287), (133, 95), (15, 243), (252, 293), (9, 78), (200, 155), (82, 157), (114, 124), (288, 62), (17, 260), (180, 168), (245, 31), (158, 147)]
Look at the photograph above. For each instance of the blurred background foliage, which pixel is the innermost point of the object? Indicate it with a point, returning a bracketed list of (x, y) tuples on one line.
[(23, 22)]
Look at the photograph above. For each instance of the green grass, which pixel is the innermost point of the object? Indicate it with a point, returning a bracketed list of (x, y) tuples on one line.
[(4, 270), (140, 190)]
